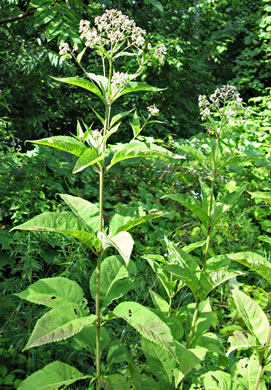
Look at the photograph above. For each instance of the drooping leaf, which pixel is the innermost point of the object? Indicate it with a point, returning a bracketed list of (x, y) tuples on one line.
[(86, 211), (53, 291), (61, 322), (211, 280), (135, 149), (148, 324), (65, 143), (114, 280), (160, 363), (252, 315), (83, 83), (59, 223), (253, 261), (123, 242), (52, 377)]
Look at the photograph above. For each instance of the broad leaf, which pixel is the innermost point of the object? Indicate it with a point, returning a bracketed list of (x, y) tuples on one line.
[(65, 143), (86, 211), (86, 338), (245, 374), (53, 291), (60, 323), (148, 324), (159, 302), (52, 377), (212, 343), (83, 83), (253, 261), (115, 382), (215, 380), (192, 204), (114, 280), (241, 340), (123, 242), (118, 353), (135, 149), (252, 315), (211, 280), (65, 223)]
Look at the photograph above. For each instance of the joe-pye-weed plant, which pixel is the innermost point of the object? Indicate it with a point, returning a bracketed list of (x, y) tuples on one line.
[(176, 340)]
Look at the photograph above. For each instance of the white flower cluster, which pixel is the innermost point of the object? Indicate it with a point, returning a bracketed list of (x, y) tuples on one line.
[(110, 29), (226, 99), (153, 110), (120, 79), (64, 49), (160, 52)]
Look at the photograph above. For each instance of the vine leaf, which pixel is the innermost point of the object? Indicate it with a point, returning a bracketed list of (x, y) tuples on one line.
[(52, 377), (60, 323), (53, 291), (252, 315), (148, 324), (59, 223), (114, 280)]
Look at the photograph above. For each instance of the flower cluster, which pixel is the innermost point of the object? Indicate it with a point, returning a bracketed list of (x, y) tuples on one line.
[(64, 50), (111, 29), (120, 79), (160, 53), (153, 110)]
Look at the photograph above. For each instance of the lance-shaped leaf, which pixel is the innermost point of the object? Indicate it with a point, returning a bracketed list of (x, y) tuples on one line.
[(118, 117), (240, 340), (192, 204), (53, 291), (252, 315), (83, 83), (123, 242), (261, 195), (101, 81), (135, 149), (211, 280), (88, 158), (65, 143), (126, 222), (161, 363), (135, 86), (52, 377), (86, 211), (195, 154), (60, 323), (114, 280), (253, 261), (148, 324), (59, 223)]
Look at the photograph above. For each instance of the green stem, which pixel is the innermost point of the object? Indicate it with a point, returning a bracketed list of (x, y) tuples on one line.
[(263, 360), (193, 325)]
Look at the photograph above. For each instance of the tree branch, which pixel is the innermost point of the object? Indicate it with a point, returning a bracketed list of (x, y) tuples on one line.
[(29, 12)]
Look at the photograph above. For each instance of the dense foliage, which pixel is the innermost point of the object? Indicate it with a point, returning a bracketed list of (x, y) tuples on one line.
[(176, 221)]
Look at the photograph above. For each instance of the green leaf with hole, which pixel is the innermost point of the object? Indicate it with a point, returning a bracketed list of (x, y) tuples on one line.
[(53, 291), (52, 377)]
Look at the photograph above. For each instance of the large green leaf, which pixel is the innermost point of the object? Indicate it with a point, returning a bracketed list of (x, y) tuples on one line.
[(195, 153), (212, 343), (148, 324), (252, 315), (253, 261), (114, 280), (52, 377), (123, 242), (116, 382), (240, 340), (65, 143), (86, 211), (65, 223), (86, 338), (60, 323), (53, 291), (160, 363), (261, 195), (211, 280), (135, 149), (135, 86), (245, 374), (83, 83)]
